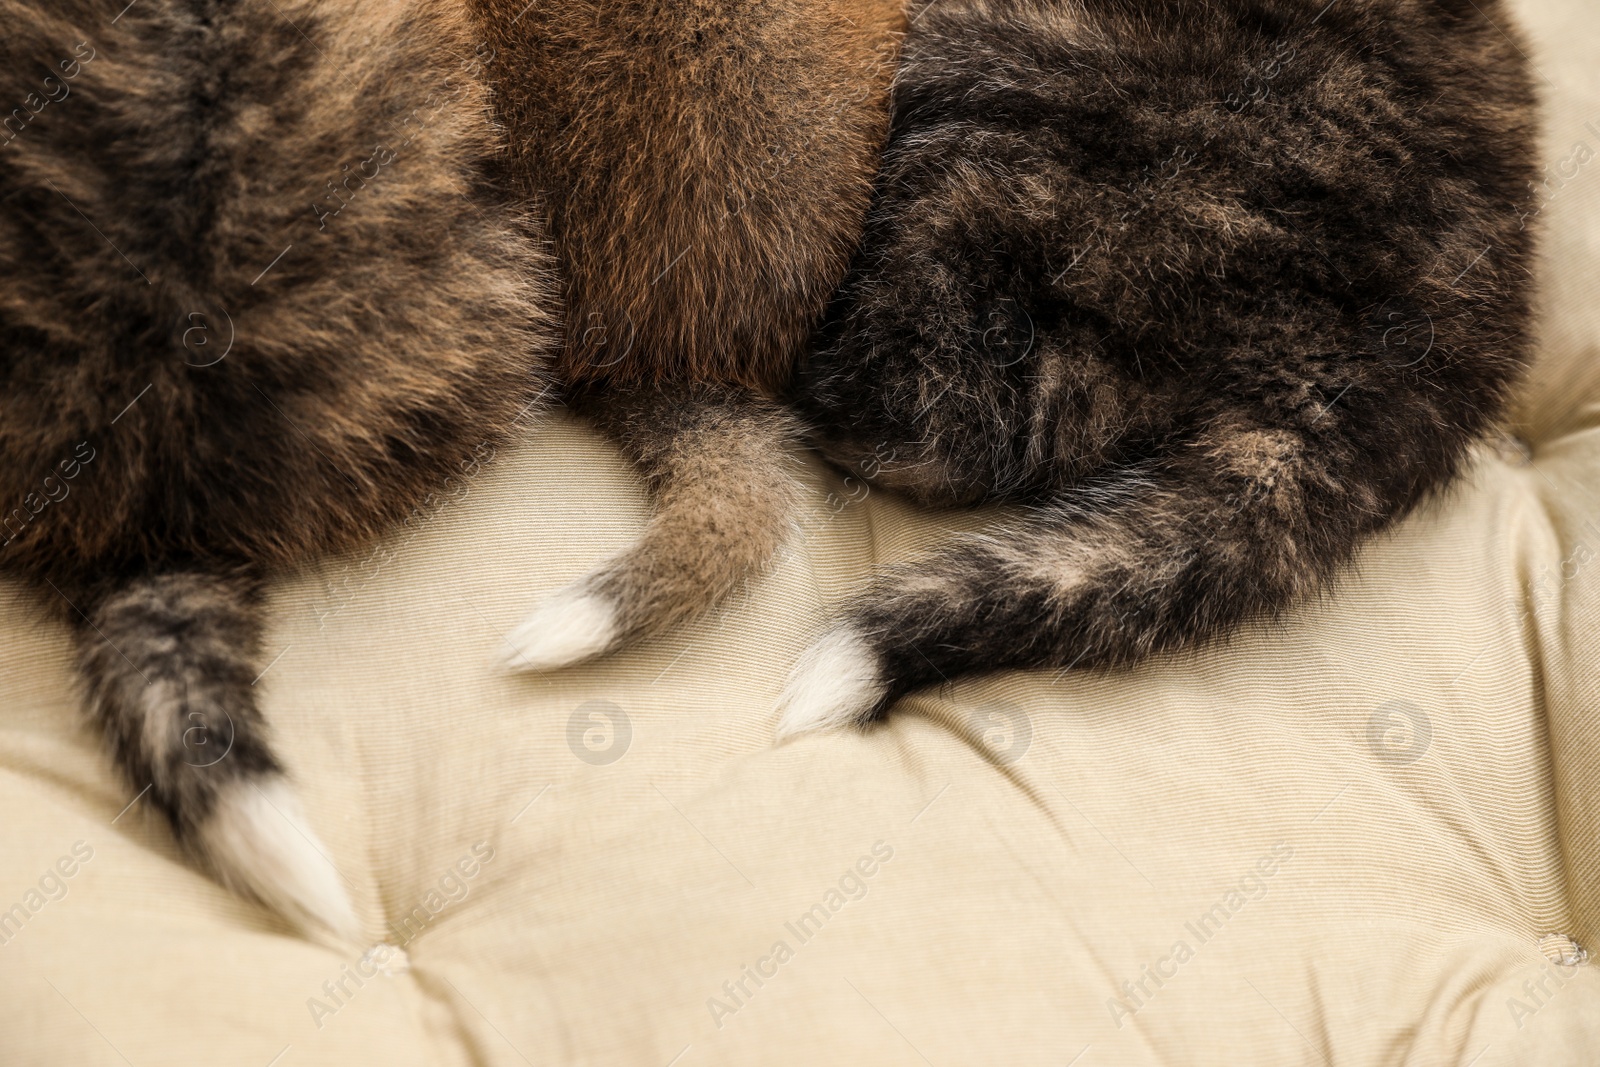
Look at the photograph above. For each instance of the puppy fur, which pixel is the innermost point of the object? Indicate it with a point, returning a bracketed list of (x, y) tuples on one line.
[(1218, 290), (705, 166), (259, 298)]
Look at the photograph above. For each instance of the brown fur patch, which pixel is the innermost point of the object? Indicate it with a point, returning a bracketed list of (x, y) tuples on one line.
[(257, 300), (195, 189), (705, 168), (720, 465)]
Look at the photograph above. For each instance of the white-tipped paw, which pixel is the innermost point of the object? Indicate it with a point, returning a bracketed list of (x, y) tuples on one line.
[(570, 627), (838, 682), (259, 844)]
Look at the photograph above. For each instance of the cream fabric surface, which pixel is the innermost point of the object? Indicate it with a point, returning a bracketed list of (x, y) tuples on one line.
[(1338, 840)]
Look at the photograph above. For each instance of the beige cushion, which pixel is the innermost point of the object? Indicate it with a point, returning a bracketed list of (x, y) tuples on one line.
[(1338, 840)]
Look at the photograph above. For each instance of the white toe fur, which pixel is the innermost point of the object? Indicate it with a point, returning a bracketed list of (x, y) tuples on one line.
[(569, 627), (837, 683), (258, 842)]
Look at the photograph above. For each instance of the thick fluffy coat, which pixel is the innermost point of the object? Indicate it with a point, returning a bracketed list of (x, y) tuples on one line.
[(1219, 289), (258, 301)]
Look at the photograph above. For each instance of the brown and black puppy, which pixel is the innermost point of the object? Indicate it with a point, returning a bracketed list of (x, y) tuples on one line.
[(258, 300), (1219, 289), (705, 166)]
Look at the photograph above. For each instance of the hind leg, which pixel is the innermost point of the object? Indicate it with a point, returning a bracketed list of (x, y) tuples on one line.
[(171, 663)]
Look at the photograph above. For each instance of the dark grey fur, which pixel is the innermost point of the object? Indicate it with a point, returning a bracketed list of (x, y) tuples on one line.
[(189, 642), (1219, 290)]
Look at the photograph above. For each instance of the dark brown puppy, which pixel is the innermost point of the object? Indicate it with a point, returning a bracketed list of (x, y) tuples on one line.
[(1221, 289), (258, 301), (705, 166)]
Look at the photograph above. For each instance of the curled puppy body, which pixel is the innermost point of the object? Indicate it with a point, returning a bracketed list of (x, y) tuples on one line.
[(260, 299), (706, 167), (1218, 291)]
